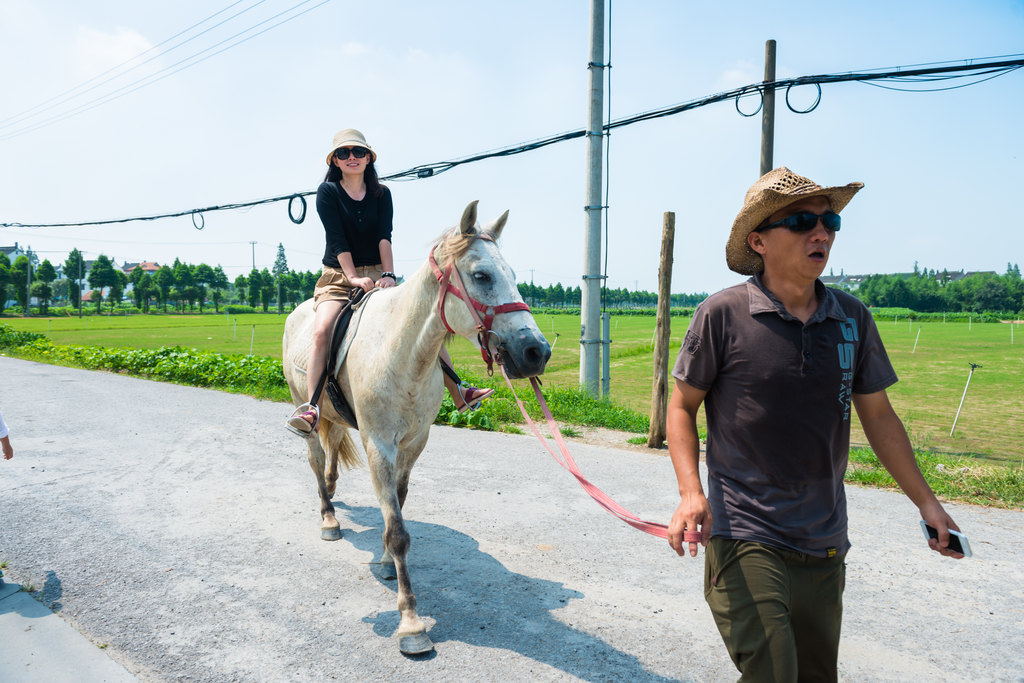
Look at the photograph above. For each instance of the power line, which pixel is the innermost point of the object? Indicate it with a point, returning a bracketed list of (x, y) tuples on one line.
[(21, 116), (166, 71), (944, 71)]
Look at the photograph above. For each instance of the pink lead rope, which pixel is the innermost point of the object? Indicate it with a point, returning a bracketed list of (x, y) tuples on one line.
[(602, 498), (446, 286)]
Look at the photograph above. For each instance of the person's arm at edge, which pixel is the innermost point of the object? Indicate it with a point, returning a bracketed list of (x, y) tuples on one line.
[(889, 441), (5, 442), (684, 450)]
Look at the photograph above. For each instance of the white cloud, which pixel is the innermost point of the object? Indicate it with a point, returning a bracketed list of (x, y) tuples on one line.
[(742, 73), (97, 51), (354, 49)]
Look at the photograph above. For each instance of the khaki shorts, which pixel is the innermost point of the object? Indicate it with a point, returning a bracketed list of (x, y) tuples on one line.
[(334, 286)]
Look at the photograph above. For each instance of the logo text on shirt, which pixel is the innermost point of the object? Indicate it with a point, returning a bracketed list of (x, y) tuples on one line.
[(845, 355)]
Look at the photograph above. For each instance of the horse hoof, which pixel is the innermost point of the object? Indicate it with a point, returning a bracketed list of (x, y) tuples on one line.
[(330, 534), (387, 571), (417, 644)]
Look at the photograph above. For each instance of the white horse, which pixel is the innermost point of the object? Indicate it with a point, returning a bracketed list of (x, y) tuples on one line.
[(392, 378)]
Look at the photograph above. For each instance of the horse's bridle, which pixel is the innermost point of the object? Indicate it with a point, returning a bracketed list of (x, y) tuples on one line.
[(450, 280)]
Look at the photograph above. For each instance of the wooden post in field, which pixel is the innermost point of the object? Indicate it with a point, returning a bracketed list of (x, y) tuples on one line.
[(662, 335)]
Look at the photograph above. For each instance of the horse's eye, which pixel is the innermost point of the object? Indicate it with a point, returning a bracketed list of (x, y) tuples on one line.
[(481, 277)]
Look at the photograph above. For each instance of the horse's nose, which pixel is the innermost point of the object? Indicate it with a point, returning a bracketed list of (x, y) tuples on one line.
[(526, 353), (536, 356)]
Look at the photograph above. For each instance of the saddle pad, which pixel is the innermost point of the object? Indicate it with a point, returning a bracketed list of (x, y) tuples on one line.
[(303, 346)]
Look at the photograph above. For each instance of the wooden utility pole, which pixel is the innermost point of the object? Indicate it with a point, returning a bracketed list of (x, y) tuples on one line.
[(768, 109), (662, 335)]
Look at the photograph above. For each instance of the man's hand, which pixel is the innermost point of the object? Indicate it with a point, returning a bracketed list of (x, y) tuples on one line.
[(891, 445), (691, 524), (937, 518), (8, 451)]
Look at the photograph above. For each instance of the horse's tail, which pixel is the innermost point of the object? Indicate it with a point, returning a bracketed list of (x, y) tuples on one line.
[(338, 444)]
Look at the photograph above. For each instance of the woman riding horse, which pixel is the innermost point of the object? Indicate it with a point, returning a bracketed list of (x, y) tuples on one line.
[(356, 211)]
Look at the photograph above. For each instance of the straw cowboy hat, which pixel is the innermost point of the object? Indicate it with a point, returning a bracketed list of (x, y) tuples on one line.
[(773, 191), (350, 137)]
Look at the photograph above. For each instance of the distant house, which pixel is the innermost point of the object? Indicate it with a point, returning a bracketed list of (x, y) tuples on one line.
[(147, 266), (12, 252), (842, 280), (854, 281)]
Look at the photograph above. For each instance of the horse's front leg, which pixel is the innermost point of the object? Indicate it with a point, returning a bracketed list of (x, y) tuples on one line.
[(330, 529), (412, 632)]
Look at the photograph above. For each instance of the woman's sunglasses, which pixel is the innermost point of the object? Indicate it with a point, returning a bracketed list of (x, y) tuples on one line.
[(805, 221), (358, 152)]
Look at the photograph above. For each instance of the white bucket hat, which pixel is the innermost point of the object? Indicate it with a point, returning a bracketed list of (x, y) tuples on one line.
[(350, 137)]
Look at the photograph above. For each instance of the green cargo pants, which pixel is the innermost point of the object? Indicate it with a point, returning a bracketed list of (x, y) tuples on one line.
[(779, 611)]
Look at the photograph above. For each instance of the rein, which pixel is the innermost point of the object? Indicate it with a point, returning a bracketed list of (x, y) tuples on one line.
[(450, 281), (568, 463)]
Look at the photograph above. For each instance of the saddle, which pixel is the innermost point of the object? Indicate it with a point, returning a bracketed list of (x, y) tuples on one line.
[(335, 357)]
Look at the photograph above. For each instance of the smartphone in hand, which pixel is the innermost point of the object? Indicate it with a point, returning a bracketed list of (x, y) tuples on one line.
[(957, 541)]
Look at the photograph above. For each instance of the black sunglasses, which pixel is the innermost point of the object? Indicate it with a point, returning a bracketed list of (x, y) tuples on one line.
[(805, 221), (358, 152)]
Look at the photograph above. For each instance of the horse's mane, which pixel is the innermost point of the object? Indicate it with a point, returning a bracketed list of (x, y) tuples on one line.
[(453, 243)]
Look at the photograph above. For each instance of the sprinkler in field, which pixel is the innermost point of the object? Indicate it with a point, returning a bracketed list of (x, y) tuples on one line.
[(974, 366)]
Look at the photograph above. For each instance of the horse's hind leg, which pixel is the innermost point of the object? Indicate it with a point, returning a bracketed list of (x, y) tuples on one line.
[(330, 529), (412, 632)]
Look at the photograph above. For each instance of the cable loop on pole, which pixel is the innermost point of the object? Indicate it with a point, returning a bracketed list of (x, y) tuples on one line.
[(814, 106), (759, 105), (302, 214), (202, 220)]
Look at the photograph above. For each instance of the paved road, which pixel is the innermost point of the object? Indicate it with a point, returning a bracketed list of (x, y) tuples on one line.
[(178, 527)]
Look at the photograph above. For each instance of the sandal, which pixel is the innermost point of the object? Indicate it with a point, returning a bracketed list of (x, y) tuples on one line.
[(472, 397), (304, 420)]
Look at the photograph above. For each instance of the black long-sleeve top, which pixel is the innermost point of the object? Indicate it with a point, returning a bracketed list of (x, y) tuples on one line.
[(355, 227)]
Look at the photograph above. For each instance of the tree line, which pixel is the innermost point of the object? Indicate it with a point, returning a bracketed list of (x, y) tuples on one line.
[(184, 286), (557, 296), (928, 291), (189, 287)]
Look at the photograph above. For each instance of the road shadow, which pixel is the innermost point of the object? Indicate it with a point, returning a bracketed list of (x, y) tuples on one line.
[(52, 592), (476, 600), (13, 599)]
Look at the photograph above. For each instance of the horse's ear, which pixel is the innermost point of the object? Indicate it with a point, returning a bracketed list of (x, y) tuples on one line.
[(468, 223), (496, 226)]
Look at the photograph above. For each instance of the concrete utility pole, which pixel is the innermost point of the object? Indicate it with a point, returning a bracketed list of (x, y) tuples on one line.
[(590, 303), (253, 255), (768, 109)]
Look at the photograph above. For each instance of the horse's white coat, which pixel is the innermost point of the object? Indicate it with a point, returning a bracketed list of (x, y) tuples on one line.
[(393, 381)]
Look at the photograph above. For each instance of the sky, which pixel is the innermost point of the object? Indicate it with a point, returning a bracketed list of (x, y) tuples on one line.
[(428, 82)]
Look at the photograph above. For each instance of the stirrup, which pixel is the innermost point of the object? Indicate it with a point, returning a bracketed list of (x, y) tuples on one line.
[(297, 424), (478, 397)]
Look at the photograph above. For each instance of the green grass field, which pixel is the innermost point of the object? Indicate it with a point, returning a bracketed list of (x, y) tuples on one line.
[(932, 377)]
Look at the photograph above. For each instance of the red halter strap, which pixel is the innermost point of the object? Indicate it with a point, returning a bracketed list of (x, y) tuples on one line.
[(458, 288)]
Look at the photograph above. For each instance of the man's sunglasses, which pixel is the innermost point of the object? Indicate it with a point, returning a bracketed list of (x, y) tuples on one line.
[(805, 221), (358, 152)]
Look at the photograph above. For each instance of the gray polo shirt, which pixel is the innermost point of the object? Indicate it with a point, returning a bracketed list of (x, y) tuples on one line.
[(778, 407)]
